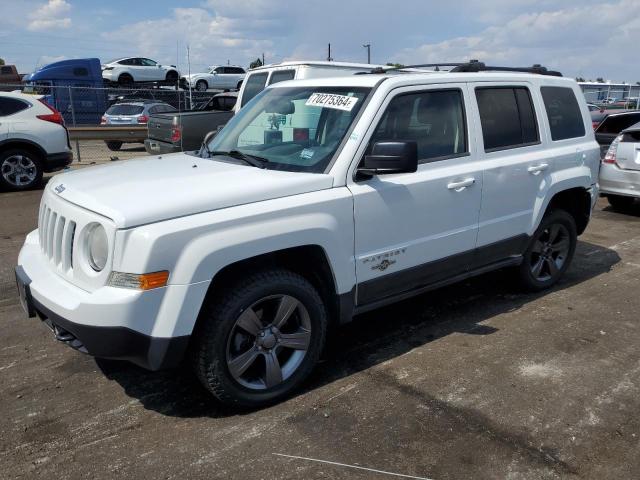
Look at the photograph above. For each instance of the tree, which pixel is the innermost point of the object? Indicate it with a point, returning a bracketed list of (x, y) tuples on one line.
[(1, 61), (396, 65), (600, 80), (256, 63), (579, 79)]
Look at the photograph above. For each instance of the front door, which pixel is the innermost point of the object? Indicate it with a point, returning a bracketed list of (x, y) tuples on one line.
[(416, 229)]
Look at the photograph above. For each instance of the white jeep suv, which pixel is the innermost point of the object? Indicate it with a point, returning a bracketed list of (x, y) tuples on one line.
[(319, 200), (218, 77)]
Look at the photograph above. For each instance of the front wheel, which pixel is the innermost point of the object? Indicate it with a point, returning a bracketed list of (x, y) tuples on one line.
[(550, 251), (260, 338), (201, 86)]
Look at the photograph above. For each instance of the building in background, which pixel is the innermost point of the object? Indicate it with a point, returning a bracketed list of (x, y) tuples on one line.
[(603, 92)]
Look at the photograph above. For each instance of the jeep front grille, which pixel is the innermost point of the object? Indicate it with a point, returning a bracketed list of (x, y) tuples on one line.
[(56, 237)]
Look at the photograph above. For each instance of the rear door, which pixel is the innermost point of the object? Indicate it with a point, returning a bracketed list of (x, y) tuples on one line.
[(415, 229), (515, 166)]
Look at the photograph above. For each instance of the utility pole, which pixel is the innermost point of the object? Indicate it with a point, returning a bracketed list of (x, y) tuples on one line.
[(262, 58), (189, 73), (368, 47), (329, 59)]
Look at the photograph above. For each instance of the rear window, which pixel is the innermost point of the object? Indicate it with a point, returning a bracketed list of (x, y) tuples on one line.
[(507, 117), (254, 85), (125, 110), (6, 70), (9, 106), (282, 76), (616, 123), (563, 112)]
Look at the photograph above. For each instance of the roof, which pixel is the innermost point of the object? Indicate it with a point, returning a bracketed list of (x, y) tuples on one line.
[(318, 63), (397, 79)]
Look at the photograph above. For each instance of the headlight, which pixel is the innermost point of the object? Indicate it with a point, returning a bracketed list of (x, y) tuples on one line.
[(98, 247)]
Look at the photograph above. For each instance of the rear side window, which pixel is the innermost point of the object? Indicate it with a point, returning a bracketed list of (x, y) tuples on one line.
[(282, 76), (9, 106), (507, 117), (255, 84), (6, 70), (435, 120), (125, 110), (563, 112), (616, 123)]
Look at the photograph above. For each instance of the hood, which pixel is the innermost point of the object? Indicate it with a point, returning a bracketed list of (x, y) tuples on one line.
[(148, 190)]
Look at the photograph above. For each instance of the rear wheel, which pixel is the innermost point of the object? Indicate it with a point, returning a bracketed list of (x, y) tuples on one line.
[(20, 169), (201, 86), (114, 146), (620, 202), (125, 79), (550, 251), (172, 77), (260, 338)]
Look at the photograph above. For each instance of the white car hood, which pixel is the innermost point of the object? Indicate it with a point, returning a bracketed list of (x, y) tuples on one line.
[(148, 190)]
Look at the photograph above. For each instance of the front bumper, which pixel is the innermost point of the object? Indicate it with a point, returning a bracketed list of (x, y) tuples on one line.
[(116, 323), (617, 181)]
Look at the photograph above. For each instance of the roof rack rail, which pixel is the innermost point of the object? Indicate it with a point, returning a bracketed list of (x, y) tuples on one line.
[(475, 66)]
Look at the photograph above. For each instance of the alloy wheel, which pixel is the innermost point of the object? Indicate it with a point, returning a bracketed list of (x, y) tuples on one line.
[(268, 342), (549, 252), (19, 170)]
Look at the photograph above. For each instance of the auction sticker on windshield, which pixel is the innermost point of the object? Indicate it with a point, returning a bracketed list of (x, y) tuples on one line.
[(331, 100)]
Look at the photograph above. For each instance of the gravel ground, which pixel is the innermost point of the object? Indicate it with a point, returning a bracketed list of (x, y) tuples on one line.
[(473, 381)]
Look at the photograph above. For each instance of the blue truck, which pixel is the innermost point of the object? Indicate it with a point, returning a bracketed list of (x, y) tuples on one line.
[(75, 82)]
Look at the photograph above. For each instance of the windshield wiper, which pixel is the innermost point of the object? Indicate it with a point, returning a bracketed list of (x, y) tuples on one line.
[(252, 160)]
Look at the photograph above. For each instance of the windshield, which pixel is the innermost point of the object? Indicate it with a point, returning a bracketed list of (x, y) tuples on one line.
[(292, 128)]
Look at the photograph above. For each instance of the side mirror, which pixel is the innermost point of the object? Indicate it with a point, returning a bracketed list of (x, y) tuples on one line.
[(391, 157)]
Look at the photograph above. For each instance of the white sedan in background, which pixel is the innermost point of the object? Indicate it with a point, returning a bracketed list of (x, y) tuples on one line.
[(226, 77), (125, 71)]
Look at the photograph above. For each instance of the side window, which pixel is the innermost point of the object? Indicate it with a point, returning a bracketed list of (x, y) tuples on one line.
[(254, 85), (147, 63), (127, 61), (9, 106), (219, 70), (435, 120), (281, 76), (153, 110), (507, 116), (6, 70), (563, 112), (229, 103), (616, 123)]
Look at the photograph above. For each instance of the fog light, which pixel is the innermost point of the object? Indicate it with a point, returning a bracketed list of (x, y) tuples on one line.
[(144, 281)]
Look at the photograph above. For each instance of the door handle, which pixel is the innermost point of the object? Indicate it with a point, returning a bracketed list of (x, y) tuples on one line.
[(536, 169), (461, 185)]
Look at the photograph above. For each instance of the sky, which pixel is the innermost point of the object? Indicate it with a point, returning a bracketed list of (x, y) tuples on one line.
[(582, 38)]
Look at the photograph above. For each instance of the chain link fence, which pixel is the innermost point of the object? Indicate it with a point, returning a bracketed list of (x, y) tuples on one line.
[(96, 127)]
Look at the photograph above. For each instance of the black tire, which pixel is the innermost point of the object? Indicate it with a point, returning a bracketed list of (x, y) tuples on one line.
[(114, 145), (20, 169), (218, 333), (239, 85), (620, 202), (171, 77), (125, 79), (202, 86), (541, 251)]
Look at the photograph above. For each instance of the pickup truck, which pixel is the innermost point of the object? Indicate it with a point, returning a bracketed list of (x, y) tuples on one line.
[(184, 131)]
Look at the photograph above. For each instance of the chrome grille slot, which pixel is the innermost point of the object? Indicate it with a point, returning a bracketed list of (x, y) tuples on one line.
[(56, 234)]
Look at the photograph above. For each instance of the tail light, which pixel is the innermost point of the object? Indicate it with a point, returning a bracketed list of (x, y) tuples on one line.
[(595, 124), (143, 119), (54, 116), (176, 133), (610, 157), (103, 120)]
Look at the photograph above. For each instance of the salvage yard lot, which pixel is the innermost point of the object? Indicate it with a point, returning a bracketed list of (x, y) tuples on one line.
[(472, 381)]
